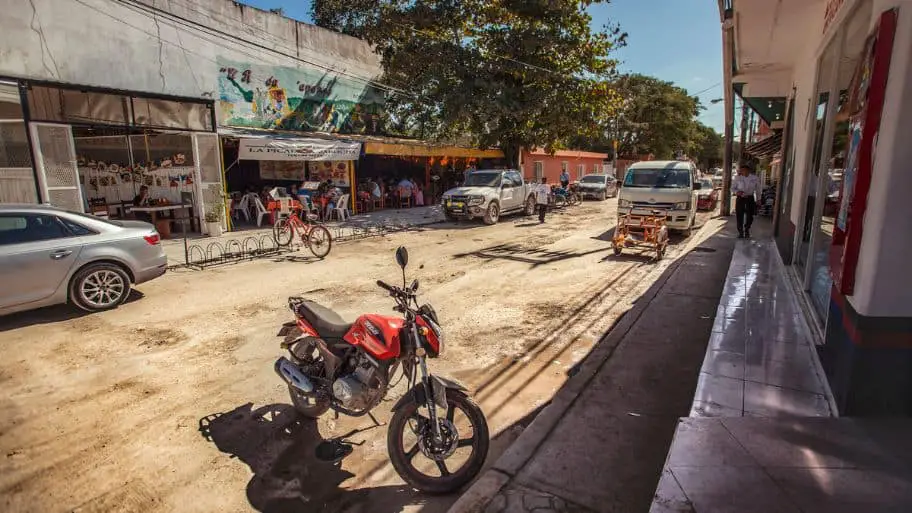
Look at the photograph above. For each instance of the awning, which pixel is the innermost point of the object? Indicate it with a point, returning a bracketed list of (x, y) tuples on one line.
[(767, 147), (268, 145), (419, 149)]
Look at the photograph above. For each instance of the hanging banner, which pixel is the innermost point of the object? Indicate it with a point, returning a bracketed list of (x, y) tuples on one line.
[(297, 149)]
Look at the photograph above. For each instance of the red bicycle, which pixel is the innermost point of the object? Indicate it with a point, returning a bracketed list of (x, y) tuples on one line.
[(314, 236)]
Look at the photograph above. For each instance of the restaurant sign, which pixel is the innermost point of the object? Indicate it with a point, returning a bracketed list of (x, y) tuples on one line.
[(297, 149)]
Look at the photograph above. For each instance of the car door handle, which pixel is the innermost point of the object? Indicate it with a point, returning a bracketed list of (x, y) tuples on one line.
[(63, 253)]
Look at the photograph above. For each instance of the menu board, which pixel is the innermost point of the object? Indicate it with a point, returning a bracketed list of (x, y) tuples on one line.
[(282, 170), (339, 171)]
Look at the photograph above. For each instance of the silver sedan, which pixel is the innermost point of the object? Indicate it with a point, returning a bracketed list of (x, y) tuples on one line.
[(50, 256)]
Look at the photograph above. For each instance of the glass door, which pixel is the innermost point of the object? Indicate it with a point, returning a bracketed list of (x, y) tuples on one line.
[(210, 188), (55, 158)]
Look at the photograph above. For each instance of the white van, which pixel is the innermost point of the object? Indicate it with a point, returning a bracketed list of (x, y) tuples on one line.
[(669, 185)]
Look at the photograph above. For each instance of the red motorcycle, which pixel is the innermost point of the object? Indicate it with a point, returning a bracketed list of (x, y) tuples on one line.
[(349, 367)]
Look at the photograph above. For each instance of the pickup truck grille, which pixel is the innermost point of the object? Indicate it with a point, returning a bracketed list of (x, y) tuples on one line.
[(463, 199), (647, 205)]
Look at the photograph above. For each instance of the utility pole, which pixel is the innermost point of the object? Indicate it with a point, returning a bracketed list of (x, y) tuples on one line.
[(727, 61), (742, 160)]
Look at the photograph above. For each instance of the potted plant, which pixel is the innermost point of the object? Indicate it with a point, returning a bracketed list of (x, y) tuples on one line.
[(213, 218)]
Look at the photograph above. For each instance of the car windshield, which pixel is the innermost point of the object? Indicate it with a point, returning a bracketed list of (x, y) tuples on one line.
[(593, 179), (707, 184), (667, 178), (482, 179)]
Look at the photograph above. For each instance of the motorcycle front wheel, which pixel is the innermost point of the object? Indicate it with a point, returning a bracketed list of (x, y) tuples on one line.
[(442, 466)]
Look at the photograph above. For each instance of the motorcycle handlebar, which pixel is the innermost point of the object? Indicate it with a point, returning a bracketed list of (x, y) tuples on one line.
[(383, 285)]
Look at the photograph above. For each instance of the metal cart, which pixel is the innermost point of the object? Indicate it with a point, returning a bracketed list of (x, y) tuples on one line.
[(647, 231)]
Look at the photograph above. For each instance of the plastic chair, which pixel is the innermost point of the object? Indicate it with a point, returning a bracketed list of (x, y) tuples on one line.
[(405, 198), (261, 211), (341, 209), (242, 205)]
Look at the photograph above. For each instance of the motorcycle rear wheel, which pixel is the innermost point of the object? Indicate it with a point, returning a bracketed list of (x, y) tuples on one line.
[(448, 481)]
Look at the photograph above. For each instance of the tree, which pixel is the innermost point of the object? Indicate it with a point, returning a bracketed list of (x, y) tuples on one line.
[(512, 73), (656, 117), (706, 146)]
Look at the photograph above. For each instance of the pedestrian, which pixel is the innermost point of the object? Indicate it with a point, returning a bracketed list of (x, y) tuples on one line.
[(564, 178), (746, 188), (542, 195)]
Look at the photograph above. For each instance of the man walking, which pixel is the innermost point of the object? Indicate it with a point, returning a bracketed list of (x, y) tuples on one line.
[(746, 188), (542, 195)]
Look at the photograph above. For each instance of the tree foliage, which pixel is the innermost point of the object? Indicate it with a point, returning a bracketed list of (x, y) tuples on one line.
[(513, 73), (706, 146), (656, 117)]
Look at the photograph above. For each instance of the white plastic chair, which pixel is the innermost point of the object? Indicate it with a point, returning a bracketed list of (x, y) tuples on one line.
[(341, 209), (242, 206), (261, 211)]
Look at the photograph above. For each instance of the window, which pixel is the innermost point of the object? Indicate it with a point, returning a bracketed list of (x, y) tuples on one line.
[(22, 228), (516, 178), (539, 170), (565, 166), (665, 178), (580, 170), (75, 229), (596, 169)]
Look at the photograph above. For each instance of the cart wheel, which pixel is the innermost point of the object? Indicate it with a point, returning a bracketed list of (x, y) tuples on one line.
[(660, 251), (617, 250)]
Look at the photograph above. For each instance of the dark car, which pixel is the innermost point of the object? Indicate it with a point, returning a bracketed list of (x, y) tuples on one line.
[(598, 186)]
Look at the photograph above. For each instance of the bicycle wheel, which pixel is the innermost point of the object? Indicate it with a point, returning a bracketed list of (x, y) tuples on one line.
[(283, 231), (319, 241)]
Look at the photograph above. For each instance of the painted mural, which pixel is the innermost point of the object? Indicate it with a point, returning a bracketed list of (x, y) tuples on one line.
[(298, 99)]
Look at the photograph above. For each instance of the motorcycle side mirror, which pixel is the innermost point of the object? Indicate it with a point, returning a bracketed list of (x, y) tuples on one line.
[(402, 257)]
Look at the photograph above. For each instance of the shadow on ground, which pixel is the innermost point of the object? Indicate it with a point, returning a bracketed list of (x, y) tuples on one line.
[(52, 314), (280, 448)]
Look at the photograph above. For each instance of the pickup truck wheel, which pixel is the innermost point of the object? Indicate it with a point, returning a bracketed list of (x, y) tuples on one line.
[(529, 208), (492, 214)]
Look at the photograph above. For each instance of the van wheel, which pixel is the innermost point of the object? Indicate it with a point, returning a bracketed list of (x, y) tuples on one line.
[(492, 214), (98, 287)]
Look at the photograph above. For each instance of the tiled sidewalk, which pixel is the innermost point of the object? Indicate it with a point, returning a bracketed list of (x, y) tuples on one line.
[(761, 436), (760, 360)]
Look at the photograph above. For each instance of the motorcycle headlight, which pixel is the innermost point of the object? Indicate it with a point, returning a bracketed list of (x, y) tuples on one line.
[(476, 200), (439, 332), (684, 205), (624, 203)]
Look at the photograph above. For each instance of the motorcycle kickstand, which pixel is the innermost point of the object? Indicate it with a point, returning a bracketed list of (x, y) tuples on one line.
[(377, 423)]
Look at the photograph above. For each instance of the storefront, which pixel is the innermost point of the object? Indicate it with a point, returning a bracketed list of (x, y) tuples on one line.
[(842, 216), (257, 161), (93, 149)]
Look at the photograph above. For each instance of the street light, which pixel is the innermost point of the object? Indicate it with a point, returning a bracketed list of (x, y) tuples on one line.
[(716, 100)]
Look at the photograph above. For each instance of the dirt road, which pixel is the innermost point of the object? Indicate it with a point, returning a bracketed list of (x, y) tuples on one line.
[(170, 402)]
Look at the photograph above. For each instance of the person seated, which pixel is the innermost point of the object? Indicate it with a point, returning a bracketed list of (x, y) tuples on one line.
[(419, 196), (142, 200)]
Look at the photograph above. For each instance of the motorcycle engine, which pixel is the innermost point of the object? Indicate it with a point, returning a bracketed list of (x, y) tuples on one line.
[(359, 389)]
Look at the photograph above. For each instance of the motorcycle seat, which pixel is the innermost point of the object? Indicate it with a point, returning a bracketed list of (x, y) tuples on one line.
[(327, 322)]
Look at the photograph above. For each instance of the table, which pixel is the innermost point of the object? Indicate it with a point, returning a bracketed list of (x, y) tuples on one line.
[(154, 210), (273, 206)]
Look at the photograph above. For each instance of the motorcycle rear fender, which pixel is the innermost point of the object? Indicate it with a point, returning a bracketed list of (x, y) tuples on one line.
[(418, 393)]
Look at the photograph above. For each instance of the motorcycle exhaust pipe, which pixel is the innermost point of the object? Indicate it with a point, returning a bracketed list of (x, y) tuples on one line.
[(291, 374)]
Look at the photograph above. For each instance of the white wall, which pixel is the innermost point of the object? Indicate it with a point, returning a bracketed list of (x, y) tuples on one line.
[(106, 43), (883, 285)]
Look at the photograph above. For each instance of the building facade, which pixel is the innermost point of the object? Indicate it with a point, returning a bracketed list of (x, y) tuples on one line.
[(831, 76), (538, 164)]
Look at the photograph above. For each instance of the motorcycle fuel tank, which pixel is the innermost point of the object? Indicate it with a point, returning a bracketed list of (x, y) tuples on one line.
[(378, 335)]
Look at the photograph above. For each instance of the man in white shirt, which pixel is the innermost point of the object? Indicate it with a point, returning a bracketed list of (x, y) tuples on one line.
[(746, 188), (542, 196)]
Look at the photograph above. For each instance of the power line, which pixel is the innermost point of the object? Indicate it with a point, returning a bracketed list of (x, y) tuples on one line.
[(707, 89)]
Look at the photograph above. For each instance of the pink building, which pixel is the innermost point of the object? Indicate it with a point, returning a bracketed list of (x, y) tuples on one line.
[(536, 164)]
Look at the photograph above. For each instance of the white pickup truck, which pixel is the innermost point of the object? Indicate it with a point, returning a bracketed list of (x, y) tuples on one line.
[(489, 193)]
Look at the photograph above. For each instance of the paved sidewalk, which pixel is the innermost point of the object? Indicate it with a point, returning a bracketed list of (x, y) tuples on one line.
[(601, 443)]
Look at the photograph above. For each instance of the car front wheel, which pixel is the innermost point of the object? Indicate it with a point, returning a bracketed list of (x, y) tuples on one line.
[(98, 287)]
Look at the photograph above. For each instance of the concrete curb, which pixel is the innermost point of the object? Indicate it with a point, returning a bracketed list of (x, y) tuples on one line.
[(477, 497)]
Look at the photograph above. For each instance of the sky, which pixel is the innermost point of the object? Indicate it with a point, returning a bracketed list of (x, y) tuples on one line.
[(675, 40)]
